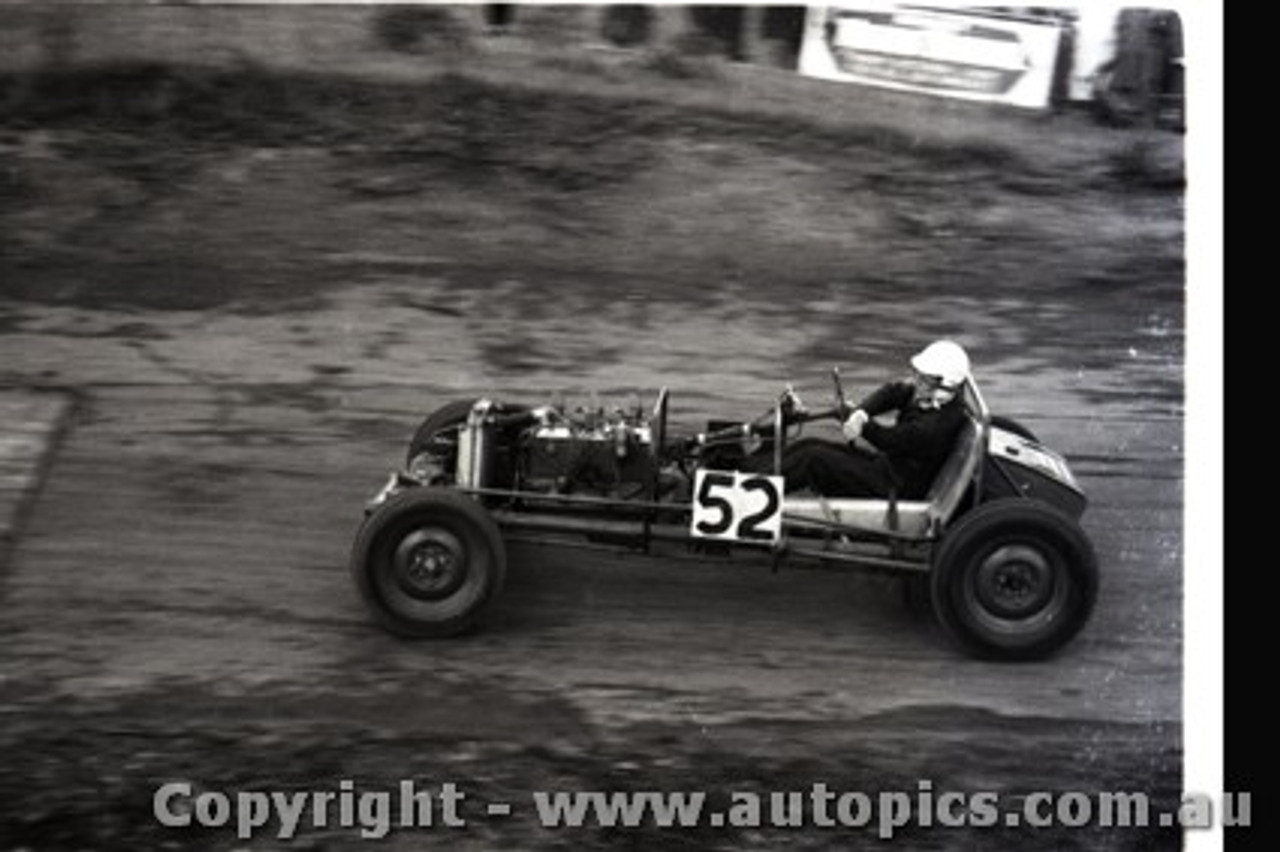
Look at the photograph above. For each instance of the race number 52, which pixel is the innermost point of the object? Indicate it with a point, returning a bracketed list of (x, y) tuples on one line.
[(737, 506)]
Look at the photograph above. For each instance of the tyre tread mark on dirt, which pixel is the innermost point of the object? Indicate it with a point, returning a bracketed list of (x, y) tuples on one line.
[(73, 403), (224, 400)]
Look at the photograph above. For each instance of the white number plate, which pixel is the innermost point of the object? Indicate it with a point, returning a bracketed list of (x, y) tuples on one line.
[(737, 506)]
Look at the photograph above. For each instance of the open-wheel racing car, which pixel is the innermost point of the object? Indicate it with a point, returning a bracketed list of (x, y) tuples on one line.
[(995, 545)]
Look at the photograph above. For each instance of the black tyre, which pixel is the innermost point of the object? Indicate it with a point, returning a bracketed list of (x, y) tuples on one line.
[(1014, 580), (428, 562), (1008, 424), (433, 449)]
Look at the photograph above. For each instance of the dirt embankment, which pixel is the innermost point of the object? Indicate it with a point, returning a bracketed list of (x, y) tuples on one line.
[(180, 188), (614, 184)]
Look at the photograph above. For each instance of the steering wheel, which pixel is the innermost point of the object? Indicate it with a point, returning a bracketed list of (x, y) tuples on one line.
[(797, 414)]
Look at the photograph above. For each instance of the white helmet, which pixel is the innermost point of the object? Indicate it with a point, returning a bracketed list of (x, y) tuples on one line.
[(945, 360)]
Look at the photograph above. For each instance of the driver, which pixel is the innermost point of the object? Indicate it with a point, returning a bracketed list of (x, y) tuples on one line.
[(903, 458)]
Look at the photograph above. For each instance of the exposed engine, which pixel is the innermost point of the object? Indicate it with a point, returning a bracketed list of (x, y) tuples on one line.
[(613, 457), (553, 451)]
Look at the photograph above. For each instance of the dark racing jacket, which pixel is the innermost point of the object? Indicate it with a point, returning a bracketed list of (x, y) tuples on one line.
[(920, 440)]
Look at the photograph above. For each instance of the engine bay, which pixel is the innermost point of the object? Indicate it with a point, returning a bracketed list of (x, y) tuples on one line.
[(589, 451)]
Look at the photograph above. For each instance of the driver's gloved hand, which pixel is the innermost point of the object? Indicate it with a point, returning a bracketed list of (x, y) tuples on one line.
[(852, 427)]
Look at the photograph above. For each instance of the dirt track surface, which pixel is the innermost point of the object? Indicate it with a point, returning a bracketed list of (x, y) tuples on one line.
[(250, 339)]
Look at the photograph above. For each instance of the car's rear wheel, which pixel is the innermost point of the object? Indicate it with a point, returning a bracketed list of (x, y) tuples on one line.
[(428, 562), (1014, 579), (1008, 424)]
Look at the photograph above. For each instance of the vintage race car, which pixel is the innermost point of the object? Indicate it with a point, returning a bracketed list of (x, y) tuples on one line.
[(996, 544)]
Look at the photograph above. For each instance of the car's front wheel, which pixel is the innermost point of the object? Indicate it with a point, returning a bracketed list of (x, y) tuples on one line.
[(1014, 579), (428, 562)]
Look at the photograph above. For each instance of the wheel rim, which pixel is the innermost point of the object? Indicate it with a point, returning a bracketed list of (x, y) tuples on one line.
[(1017, 588), (431, 568), (1014, 581), (430, 563)]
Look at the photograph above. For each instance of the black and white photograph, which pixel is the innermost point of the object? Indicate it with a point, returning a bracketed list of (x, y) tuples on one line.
[(601, 426)]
